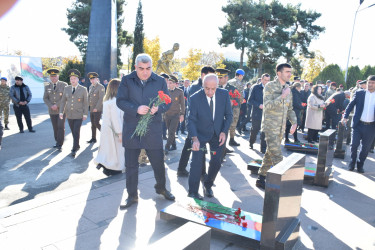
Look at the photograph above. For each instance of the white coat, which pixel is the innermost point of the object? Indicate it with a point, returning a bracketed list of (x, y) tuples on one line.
[(111, 152)]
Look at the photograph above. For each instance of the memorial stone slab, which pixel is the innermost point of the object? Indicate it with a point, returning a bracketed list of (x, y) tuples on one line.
[(101, 56), (325, 157), (340, 145), (280, 210)]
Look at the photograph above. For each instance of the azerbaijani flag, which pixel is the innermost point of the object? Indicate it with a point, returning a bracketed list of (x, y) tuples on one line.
[(31, 67)]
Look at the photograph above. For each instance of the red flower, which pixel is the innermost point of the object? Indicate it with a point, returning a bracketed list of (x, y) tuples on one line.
[(231, 93), (304, 104), (237, 212), (236, 93), (243, 217), (214, 152), (234, 103), (244, 101), (185, 98), (206, 220), (239, 209), (244, 224), (332, 101)]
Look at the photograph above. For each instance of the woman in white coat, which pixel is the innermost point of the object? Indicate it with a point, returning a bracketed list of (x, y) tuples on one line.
[(111, 152), (314, 114)]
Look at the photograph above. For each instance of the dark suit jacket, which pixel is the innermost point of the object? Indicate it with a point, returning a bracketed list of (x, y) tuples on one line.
[(256, 99), (200, 121), (131, 94), (358, 101)]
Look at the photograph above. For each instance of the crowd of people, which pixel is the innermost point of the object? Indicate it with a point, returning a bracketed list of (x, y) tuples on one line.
[(211, 110)]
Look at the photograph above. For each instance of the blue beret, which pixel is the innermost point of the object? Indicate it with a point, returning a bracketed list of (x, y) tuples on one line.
[(4, 78), (240, 72)]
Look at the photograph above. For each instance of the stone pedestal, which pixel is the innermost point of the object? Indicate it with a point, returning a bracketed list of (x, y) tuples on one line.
[(325, 158), (101, 56), (340, 145)]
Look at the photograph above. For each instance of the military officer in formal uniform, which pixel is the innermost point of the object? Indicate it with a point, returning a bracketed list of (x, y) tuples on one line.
[(4, 101), (175, 114), (96, 95), (53, 93), (277, 107), (74, 104), (235, 102)]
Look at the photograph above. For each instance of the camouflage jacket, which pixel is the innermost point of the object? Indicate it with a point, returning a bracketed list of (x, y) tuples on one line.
[(4, 95), (235, 101), (276, 109), (239, 86)]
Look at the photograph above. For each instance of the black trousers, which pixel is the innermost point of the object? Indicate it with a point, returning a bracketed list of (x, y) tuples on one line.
[(75, 127), (156, 157), (312, 135), (364, 134), (197, 166), (95, 118), (185, 156), (58, 128), (25, 111), (332, 119), (287, 131), (255, 128)]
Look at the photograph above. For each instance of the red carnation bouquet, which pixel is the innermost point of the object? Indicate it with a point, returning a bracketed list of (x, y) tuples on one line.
[(234, 103), (144, 122)]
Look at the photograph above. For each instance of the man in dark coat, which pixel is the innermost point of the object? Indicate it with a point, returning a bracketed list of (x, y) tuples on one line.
[(133, 97), (256, 101), (210, 116), (363, 123), (306, 92), (334, 109)]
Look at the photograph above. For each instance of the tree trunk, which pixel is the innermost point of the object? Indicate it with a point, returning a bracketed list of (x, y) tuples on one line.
[(260, 65), (241, 59)]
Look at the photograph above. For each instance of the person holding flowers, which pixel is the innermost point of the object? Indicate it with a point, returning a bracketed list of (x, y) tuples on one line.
[(210, 116), (314, 114), (143, 96)]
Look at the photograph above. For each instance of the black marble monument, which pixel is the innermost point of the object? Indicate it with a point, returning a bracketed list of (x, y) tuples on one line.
[(101, 56)]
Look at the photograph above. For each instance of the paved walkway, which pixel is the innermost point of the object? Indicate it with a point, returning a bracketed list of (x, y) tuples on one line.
[(84, 214)]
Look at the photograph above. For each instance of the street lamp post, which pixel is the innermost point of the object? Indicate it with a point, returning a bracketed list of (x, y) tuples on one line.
[(350, 47)]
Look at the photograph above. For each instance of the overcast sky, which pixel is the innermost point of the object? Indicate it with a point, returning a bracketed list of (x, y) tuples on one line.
[(193, 24)]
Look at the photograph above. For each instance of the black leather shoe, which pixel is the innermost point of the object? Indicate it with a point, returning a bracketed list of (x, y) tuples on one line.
[(128, 202), (232, 142), (360, 167), (56, 146), (228, 151), (195, 196), (6, 127), (286, 141), (261, 182), (59, 148), (351, 166), (183, 173), (32, 131), (92, 141), (174, 147), (21, 131), (371, 151), (167, 195), (165, 138), (183, 133), (208, 192), (251, 146), (73, 154)]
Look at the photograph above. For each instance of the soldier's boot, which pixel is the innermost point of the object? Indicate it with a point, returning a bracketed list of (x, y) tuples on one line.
[(6, 127), (261, 182), (174, 147), (232, 142)]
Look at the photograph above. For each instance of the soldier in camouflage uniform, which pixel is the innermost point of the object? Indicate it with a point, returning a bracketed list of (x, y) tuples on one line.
[(277, 107), (4, 102), (235, 97), (240, 86)]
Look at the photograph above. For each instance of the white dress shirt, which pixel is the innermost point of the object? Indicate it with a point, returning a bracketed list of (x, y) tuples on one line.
[(368, 107), (213, 100)]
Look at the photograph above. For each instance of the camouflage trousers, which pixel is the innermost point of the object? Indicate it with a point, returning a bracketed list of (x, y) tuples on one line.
[(233, 125), (273, 153), (4, 113)]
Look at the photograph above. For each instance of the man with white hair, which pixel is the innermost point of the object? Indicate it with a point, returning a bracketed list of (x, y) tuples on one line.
[(133, 97), (210, 116)]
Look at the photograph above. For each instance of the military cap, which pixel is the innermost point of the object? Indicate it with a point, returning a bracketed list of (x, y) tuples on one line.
[(173, 78), (53, 72), (333, 84), (296, 78), (92, 75), (363, 82), (164, 75), (18, 78), (4, 78), (74, 72), (328, 81), (240, 72), (222, 72)]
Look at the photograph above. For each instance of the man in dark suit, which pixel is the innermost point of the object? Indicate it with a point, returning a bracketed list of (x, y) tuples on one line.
[(210, 116), (256, 100), (185, 154), (133, 97), (185, 88), (363, 123)]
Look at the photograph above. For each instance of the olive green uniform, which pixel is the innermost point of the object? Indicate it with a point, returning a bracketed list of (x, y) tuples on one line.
[(275, 112), (53, 94), (96, 95), (172, 116), (4, 103)]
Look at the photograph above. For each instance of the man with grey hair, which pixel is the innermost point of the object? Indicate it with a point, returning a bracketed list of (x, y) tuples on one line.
[(133, 97), (210, 116)]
